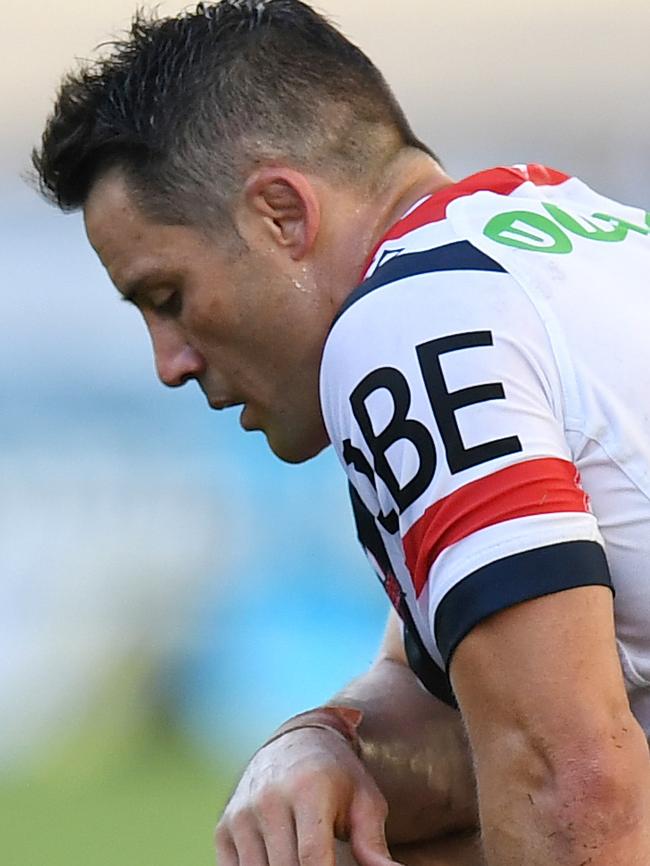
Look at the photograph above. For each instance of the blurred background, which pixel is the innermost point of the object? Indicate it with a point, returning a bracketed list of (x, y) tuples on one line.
[(168, 591)]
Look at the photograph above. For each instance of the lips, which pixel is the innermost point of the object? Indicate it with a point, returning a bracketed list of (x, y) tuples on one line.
[(246, 421), (224, 404)]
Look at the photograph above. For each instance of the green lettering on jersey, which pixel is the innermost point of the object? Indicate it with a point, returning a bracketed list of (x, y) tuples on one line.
[(629, 227), (599, 227), (528, 231)]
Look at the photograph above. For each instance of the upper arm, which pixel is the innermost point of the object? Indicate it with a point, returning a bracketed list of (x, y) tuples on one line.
[(554, 743), (546, 670)]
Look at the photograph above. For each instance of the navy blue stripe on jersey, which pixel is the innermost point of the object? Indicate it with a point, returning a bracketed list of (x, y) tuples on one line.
[(432, 677), (517, 578), (459, 256)]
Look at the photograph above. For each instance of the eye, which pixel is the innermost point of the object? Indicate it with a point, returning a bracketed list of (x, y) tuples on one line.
[(166, 302)]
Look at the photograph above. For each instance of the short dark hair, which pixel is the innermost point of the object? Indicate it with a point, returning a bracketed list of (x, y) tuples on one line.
[(185, 106)]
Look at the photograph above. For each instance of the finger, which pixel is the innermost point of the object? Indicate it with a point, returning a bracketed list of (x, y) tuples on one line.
[(279, 832), (226, 850), (315, 835), (368, 830), (251, 850)]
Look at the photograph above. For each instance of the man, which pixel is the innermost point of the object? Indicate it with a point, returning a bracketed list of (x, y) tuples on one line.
[(241, 170)]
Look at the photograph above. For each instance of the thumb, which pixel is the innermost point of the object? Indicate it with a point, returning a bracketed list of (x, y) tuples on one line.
[(367, 834)]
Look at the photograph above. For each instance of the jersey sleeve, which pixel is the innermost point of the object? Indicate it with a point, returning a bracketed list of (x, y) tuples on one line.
[(443, 398)]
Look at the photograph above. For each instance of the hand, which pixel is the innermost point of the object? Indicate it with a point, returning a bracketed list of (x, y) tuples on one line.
[(298, 795)]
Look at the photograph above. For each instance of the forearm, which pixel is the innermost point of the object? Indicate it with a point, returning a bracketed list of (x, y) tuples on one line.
[(414, 747)]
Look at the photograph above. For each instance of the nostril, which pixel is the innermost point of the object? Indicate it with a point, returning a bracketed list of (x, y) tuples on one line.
[(181, 367)]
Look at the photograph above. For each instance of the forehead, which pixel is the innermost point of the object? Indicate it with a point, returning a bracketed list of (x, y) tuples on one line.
[(130, 245)]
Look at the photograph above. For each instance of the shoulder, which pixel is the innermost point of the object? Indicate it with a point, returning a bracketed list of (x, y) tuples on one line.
[(431, 290), (429, 239), (438, 287)]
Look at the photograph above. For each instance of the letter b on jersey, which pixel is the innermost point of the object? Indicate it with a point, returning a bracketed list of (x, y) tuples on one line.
[(400, 428)]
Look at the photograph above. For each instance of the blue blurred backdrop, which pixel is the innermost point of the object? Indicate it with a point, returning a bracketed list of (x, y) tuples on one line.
[(169, 591)]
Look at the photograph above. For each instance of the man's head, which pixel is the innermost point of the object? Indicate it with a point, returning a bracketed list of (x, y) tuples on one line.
[(224, 160)]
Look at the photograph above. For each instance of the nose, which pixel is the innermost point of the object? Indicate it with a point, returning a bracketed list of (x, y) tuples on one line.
[(176, 361)]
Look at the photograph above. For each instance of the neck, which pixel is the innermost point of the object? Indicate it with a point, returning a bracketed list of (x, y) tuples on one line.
[(360, 226), (413, 176)]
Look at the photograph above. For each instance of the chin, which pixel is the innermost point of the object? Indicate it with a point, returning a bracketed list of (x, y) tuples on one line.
[(295, 450)]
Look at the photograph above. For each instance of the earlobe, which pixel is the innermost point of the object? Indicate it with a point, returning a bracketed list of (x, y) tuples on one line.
[(283, 205)]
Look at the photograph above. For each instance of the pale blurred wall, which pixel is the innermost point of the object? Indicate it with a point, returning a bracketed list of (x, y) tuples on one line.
[(561, 81), (485, 82), (98, 465)]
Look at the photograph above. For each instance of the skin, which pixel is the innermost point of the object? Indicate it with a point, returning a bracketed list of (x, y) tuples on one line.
[(561, 765), (248, 320), (409, 799)]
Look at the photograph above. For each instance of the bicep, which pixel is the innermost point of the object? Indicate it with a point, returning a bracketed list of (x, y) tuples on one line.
[(561, 764), (542, 680)]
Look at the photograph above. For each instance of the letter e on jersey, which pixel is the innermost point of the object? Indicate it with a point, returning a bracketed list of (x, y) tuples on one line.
[(445, 404), (400, 427)]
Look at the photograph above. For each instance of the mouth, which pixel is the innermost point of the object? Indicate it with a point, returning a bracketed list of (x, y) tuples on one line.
[(246, 420), (220, 405)]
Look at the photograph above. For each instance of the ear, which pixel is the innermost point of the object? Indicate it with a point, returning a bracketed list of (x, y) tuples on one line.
[(283, 205)]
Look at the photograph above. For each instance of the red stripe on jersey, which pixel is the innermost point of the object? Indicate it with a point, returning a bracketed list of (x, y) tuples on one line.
[(542, 175), (503, 180), (541, 486)]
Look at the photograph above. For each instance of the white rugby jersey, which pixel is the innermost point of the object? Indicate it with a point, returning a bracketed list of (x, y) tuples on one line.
[(487, 390)]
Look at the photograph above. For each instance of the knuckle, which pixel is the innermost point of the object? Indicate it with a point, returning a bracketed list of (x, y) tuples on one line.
[(302, 780), (316, 784), (267, 802), (221, 834), (239, 820), (338, 775), (311, 852)]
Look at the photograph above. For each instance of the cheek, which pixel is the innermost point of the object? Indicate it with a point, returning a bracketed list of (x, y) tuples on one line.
[(203, 329), (250, 343)]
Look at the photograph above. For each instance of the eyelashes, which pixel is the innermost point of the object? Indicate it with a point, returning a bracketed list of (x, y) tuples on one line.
[(171, 306)]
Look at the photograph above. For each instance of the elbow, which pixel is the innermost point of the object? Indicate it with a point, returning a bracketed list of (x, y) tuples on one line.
[(596, 806), (599, 795)]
